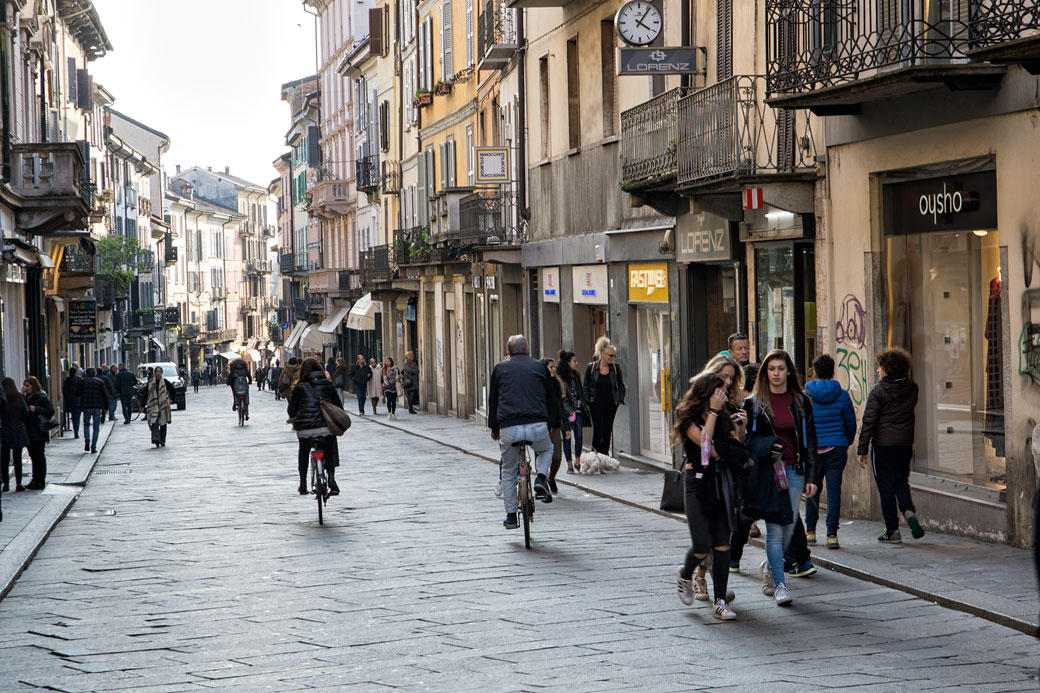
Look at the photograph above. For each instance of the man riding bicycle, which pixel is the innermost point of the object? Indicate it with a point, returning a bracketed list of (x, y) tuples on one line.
[(521, 402), (238, 375)]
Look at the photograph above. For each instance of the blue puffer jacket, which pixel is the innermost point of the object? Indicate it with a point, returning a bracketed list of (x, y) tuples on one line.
[(835, 417)]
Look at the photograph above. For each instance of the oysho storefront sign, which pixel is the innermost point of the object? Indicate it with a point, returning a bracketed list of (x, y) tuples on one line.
[(648, 282), (589, 284), (963, 202), (551, 284)]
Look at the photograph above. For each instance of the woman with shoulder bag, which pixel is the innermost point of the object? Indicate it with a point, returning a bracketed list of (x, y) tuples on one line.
[(15, 436), (340, 377), (42, 411), (782, 442), (309, 423), (604, 392), (714, 457), (558, 425), (575, 410), (390, 379)]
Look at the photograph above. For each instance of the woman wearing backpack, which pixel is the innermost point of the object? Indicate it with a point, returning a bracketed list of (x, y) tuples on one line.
[(307, 420)]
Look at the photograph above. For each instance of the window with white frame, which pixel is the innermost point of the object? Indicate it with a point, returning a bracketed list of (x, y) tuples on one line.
[(447, 63)]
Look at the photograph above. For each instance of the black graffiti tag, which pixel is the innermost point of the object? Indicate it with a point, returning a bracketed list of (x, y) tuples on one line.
[(852, 323)]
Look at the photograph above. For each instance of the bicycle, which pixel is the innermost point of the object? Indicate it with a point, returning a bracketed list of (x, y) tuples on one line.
[(524, 492), (243, 410), (319, 479)]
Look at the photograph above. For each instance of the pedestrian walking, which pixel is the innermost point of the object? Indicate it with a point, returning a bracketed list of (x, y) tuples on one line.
[(196, 378), (410, 381), (157, 409), (782, 442), (289, 375), (888, 434), (341, 377), (360, 374), (835, 419), (93, 399), (559, 424), (604, 392), (307, 421), (261, 377), (70, 398), (739, 347), (42, 410), (750, 377), (715, 458), (14, 433), (391, 376), (109, 376), (273, 377), (375, 384), (575, 409), (126, 386)]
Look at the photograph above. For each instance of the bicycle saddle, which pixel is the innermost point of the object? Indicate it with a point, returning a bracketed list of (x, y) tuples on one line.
[(522, 442)]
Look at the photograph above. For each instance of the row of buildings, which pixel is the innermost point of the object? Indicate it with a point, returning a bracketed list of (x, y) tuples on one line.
[(105, 258), (830, 177)]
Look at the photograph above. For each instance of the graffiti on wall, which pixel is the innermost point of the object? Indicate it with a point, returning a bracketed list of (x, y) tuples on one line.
[(1029, 341), (850, 334)]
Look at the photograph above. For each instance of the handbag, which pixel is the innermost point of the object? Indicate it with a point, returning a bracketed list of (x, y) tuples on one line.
[(673, 496), (47, 425), (336, 420)]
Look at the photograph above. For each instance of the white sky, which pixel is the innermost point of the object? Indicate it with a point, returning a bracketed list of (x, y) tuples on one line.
[(207, 73)]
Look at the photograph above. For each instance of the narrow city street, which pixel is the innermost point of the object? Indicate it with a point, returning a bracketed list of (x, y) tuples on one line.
[(197, 566)]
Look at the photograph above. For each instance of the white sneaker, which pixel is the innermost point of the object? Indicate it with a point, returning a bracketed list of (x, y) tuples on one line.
[(684, 587), (498, 489), (782, 596), (700, 589), (768, 586), (722, 611)]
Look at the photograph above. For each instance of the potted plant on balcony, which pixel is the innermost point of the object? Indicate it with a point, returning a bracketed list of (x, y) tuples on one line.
[(442, 88), (422, 98)]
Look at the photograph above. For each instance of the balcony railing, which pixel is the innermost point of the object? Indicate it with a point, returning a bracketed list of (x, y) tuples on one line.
[(815, 44), (1006, 30), (49, 177), (332, 197), (649, 136), (496, 35), (76, 260), (368, 173), (390, 178), (258, 266), (350, 283), (216, 336), (104, 292), (375, 265), (412, 246), (286, 263), (487, 218), (726, 130)]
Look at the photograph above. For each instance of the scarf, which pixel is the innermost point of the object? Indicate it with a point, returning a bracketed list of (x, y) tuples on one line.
[(157, 406)]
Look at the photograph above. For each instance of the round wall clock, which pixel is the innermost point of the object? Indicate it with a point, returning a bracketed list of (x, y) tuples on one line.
[(638, 23)]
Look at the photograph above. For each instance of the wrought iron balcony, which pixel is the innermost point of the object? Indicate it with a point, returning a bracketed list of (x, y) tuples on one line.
[(835, 55), (727, 133), (368, 173), (649, 139), (487, 217), (390, 179), (375, 265), (1006, 31), (104, 292), (331, 198), (412, 246), (349, 283), (496, 36), (77, 261), (49, 177)]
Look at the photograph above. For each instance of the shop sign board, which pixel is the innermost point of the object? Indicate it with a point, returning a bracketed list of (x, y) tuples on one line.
[(663, 60), (704, 237), (492, 164), (648, 282), (589, 284), (551, 284), (82, 320), (949, 203)]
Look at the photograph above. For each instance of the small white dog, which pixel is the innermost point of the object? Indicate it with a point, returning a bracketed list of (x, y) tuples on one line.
[(592, 462)]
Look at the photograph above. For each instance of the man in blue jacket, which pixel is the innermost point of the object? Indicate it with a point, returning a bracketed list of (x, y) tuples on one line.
[(835, 431)]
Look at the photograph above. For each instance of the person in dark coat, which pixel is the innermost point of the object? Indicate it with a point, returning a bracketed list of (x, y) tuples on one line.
[(309, 424), (126, 386), (109, 376), (93, 401), (888, 425), (14, 433), (238, 371), (604, 392), (575, 410), (410, 381), (42, 409), (196, 378), (341, 376), (70, 398), (273, 376), (360, 374)]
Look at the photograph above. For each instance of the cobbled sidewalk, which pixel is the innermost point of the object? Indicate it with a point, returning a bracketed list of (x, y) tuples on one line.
[(992, 581)]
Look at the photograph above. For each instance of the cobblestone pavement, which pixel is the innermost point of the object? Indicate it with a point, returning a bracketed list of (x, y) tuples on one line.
[(197, 566)]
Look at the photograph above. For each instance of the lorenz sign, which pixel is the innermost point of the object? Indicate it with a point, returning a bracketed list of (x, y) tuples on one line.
[(704, 237), (684, 60), (952, 203)]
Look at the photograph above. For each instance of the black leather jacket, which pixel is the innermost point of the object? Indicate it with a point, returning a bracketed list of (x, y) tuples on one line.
[(303, 402), (888, 418), (92, 393), (761, 424), (45, 409), (616, 381)]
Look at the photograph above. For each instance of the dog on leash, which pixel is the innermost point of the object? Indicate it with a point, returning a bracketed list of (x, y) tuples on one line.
[(592, 462)]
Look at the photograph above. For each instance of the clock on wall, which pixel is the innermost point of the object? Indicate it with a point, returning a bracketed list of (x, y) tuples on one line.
[(638, 23)]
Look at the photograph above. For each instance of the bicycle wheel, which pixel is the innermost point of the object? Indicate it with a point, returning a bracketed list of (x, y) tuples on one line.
[(241, 416), (319, 493)]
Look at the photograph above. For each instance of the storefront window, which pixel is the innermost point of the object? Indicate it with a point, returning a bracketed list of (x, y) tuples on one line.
[(944, 307), (785, 279), (481, 345), (653, 361)]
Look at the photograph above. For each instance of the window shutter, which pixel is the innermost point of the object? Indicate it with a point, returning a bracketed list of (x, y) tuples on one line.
[(85, 99), (444, 165), (384, 126), (375, 31), (429, 52), (421, 48), (422, 190), (447, 68), (724, 40), (469, 32), (450, 149), (73, 82), (312, 146)]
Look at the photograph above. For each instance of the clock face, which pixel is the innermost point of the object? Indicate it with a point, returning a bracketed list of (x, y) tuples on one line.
[(638, 22)]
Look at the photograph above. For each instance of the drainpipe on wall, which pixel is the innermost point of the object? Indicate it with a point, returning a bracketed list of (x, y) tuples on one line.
[(521, 116)]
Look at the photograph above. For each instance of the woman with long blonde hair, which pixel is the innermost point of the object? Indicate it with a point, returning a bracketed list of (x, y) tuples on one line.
[(604, 392)]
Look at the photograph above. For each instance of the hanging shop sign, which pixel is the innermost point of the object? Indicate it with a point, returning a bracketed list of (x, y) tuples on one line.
[(648, 282), (705, 237), (589, 284), (492, 164), (950, 203), (82, 320), (677, 60), (551, 284)]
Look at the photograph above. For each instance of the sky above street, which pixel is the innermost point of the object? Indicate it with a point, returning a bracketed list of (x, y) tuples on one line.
[(207, 73)]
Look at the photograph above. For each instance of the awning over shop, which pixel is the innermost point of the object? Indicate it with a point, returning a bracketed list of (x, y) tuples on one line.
[(251, 344), (310, 340), (363, 315), (331, 323), (230, 356), (270, 347), (296, 333), (236, 348), (158, 345), (253, 355)]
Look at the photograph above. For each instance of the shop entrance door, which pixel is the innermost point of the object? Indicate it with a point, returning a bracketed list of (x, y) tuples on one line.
[(654, 359)]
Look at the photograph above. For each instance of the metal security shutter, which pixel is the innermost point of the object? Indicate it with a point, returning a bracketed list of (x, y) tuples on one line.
[(447, 66), (724, 40), (469, 33)]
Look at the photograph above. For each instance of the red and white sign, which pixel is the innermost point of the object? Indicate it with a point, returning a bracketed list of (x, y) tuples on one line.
[(753, 198)]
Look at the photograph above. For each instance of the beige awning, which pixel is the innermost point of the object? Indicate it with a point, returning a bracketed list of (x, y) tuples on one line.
[(332, 323), (363, 315), (294, 336), (310, 340)]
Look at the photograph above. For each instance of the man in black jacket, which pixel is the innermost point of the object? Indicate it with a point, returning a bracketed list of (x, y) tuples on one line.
[(360, 374), (93, 400), (521, 402), (126, 386), (70, 397)]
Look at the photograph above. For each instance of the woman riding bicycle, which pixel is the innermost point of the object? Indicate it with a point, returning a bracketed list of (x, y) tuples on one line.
[(239, 380), (309, 424)]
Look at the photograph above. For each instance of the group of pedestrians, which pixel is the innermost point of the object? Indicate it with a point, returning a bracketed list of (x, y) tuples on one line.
[(754, 454), (372, 382)]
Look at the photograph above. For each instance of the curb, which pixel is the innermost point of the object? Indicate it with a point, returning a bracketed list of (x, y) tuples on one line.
[(981, 611)]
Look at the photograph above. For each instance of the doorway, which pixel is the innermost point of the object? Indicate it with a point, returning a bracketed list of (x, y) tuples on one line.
[(654, 363)]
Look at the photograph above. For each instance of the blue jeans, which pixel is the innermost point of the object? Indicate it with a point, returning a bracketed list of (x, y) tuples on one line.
[(538, 434), (833, 464), (113, 402), (76, 413), (127, 402), (362, 394), (779, 536), (95, 416), (576, 433)]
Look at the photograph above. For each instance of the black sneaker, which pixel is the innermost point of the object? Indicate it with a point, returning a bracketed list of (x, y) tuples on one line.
[(552, 486), (510, 521), (541, 489)]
